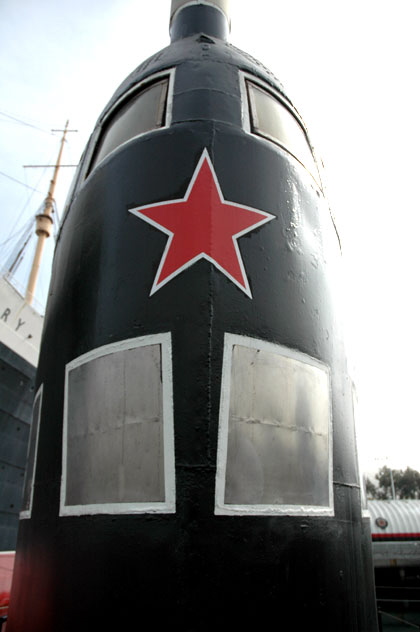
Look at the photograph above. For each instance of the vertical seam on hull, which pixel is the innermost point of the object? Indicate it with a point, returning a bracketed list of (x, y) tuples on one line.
[(211, 319)]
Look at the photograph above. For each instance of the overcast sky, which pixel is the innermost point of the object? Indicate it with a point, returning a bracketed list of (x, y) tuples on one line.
[(352, 71)]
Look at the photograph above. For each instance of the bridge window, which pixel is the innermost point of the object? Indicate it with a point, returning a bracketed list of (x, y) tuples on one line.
[(142, 112), (274, 449), (271, 119), (118, 445)]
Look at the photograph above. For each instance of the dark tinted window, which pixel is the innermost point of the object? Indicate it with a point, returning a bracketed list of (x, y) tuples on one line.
[(143, 112), (271, 119)]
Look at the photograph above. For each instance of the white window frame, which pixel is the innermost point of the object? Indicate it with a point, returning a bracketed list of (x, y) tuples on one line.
[(259, 509), (137, 88), (246, 121), (167, 506), (27, 513), (84, 170)]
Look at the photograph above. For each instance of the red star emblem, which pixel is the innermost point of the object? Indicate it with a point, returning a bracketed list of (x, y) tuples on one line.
[(202, 225)]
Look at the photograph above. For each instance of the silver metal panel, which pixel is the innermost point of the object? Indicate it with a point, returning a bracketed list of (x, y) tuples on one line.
[(274, 442), (118, 418), (397, 553)]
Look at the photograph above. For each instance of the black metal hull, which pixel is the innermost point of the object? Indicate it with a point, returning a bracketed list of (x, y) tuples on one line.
[(194, 568)]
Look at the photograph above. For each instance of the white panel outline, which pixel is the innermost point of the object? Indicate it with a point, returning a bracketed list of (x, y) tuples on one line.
[(27, 513), (137, 88), (220, 507), (266, 138), (169, 505)]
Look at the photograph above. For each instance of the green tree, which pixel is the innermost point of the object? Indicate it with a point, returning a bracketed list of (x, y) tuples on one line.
[(371, 489), (406, 484)]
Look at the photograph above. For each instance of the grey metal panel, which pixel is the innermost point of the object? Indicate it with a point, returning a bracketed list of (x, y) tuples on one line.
[(278, 445), (397, 553), (32, 455), (115, 429)]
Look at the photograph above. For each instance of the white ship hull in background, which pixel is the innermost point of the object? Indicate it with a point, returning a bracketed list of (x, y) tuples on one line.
[(20, 335), (20, 324)]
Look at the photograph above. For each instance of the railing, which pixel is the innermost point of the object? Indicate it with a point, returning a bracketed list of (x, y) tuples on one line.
[(381, 614), (399, 599)]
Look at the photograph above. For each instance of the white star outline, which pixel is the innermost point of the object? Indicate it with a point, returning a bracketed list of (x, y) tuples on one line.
[(267, 217)]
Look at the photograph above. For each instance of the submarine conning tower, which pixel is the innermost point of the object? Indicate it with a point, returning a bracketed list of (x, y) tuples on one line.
[(193, 459), (190, 18)]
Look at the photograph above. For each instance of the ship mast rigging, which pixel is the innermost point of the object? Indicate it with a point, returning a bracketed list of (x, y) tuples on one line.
[(44, 220)]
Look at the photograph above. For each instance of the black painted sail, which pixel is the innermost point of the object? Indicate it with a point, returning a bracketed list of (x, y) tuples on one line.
[(196, 459)]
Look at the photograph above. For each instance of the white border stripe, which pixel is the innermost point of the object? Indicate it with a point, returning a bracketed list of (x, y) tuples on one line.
[(164, 340), (25, 514), (97, 133), (262, 510)]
